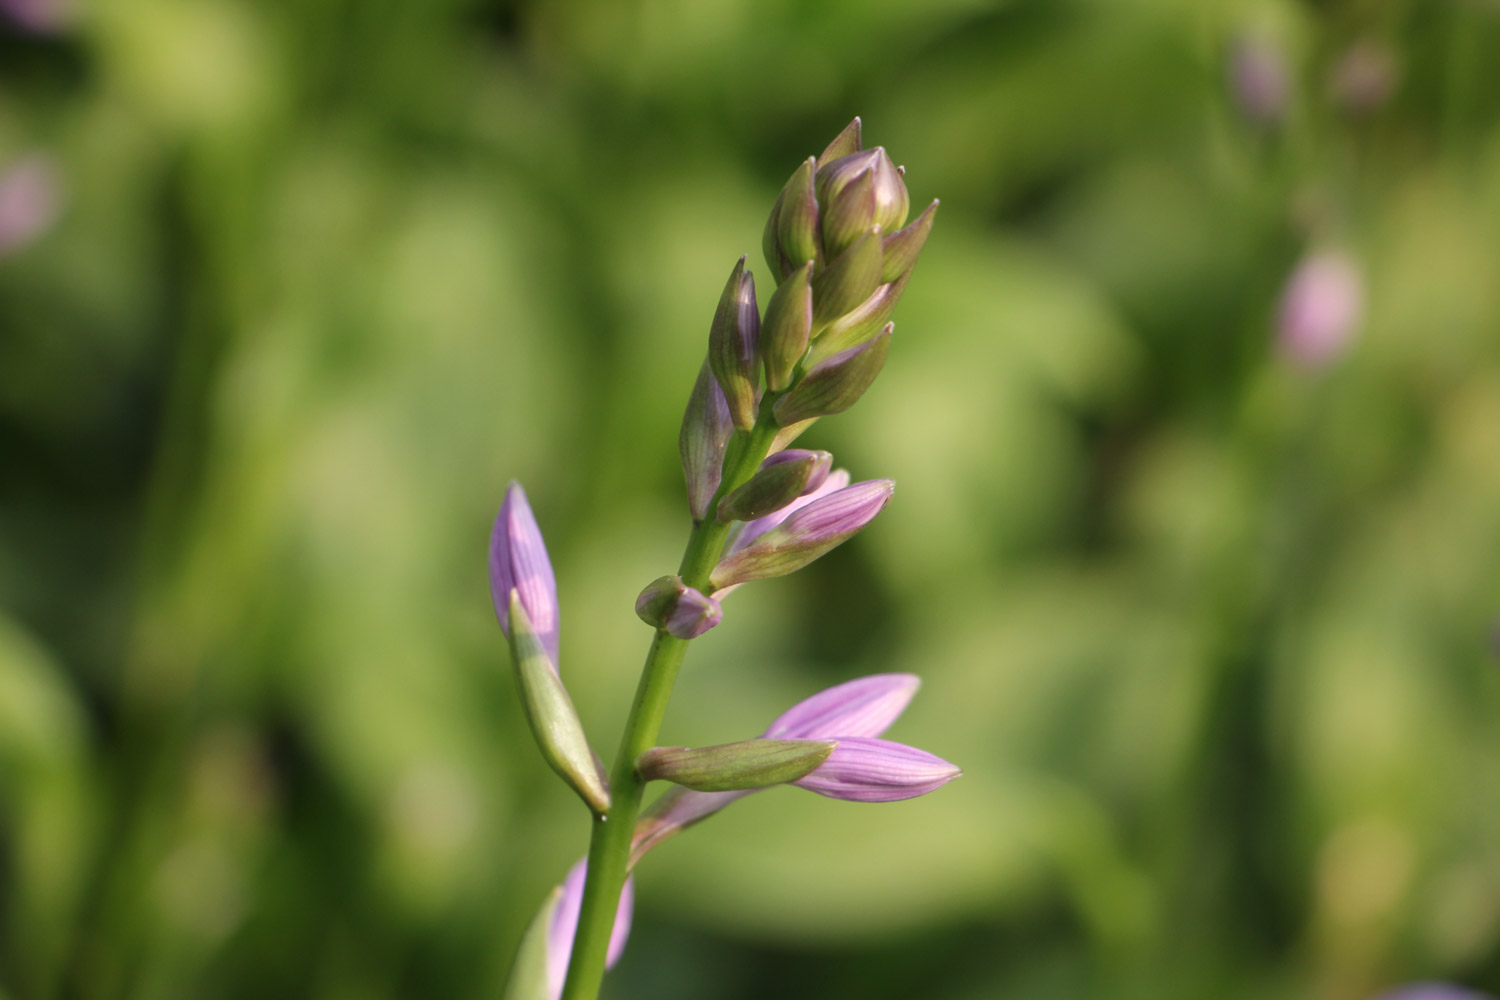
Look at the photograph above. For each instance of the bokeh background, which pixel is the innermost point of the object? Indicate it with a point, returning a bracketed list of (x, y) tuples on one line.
[(290, 290)]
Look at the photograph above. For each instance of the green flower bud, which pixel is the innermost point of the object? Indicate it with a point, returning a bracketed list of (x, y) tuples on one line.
[(902, 246), (843, 144), (781, 479), (789, 317), (849, 215), (732, 346), (706, 428), (735, 766), (549, 710), (847, 281), (834, 385), (797, 220), (885, 178), (859, 325)]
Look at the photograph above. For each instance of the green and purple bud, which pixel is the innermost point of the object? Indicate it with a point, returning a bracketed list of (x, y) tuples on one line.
[(1433, 991), (706, 429), (846, 142), (788, 327), (900, 249), (782, 478), (529, 974), (564, 926), (858, 191), (518, 562), (872, 770), (672, 606), (842, 285), (805, 535), (733, 351), (742, 766), (836, 383)]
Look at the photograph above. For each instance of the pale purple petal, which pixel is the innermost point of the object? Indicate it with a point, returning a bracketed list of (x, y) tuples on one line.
[(837, 480), (1320, 308), (30, 196), (863, 707), (1259, 79), (518, 560), (1432, 991), (677, 809), (565, 926), (695, 614), (869, 770)]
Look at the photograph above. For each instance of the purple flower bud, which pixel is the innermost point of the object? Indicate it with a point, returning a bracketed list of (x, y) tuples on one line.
[(781, 479), (796, 218), (871, 770), (30, 196), (902, 247), (1259, 80), (1363, 78), (847, 281), (855, 327), (1320, 308), (1432, 991), (732, 346), (518, 561), (669, 604), (805, 535), (846, 142), (835, 384), (789, 317), (39, 17), (887, 189), (706, 428), (565, 926), (752, 530)]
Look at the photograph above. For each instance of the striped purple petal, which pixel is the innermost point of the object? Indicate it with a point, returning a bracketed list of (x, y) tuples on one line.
[(870, 770), (865, 706), (565, 926), (518, 560)]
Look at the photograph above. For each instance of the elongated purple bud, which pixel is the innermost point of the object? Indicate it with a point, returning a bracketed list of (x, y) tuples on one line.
[(834, 385), (671, 605), (805, 535), (847, 281), (518, 561), (889, 200), (706, 428), (752, 530), (1320, 309), (565, 926), (747, 764), (855, 327), (778, 483), (901, 247), (846, 142), (871, 770), (733, 351), (789, 317), (849, 215), (797, 220)]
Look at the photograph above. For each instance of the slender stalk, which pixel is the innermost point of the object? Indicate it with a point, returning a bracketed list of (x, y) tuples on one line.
[(609, 847)]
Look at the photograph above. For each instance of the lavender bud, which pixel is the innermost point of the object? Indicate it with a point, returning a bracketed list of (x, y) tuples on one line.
[(30, 196), (834, 385), (671, 605), (751, 530), (856, 327), (529, 971), (1320, 308), (789, 317), (518, 562), (843, 144), (805, 535), (734, 766), (732, 346), (706, 428), (871, 770), (901, 248), (849, 280), (1259, 80), (797, 218), (777, 484), (887, 188), (1433, 991), (554, 722), (565, 927)]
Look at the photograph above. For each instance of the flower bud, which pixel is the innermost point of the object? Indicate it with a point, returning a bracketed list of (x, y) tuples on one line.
[(805, 535), (871, 770), (1433, 991), (849, 280), (554, 722), (775, 485), (900, 249), (564, 927), (734, 766), (856, 327), (1320, 309), (834, 385), (30, 199), (846, 142), (788, 324), (671, 605), (706, 428), (836, 179), (732, 346), (797, 218), (518, 562), (850, 215)]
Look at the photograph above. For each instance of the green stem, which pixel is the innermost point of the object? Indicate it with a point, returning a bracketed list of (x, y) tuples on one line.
[(609, 848)]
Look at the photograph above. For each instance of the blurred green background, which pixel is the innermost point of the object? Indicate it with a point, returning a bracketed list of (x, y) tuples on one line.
[(298, 286)]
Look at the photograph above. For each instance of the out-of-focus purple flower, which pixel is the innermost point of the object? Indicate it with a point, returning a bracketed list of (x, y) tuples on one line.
[(1258, 79), (1363, 78), (1432, 991), (805, 535), (30, 197), (1320, 308), (38, 17), (864, 707), (871, 770), (565, 926), (518, 561)]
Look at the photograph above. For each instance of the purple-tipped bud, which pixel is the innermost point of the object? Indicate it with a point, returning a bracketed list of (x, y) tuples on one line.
[(850, 215), (741, 766), (870, 770), (565, 926), (1433, 991), (789, 317), (805, 535), (550, 713), (890, 202), (706, 428), (671, 605), (858, 326), (518, 561), (778, 483), (1259, 80), (732, 346), (834, 385), (846, 142), (844, 284), (797, 219), (1320, 309), (752, 530), (901, 248), (30, 195)]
